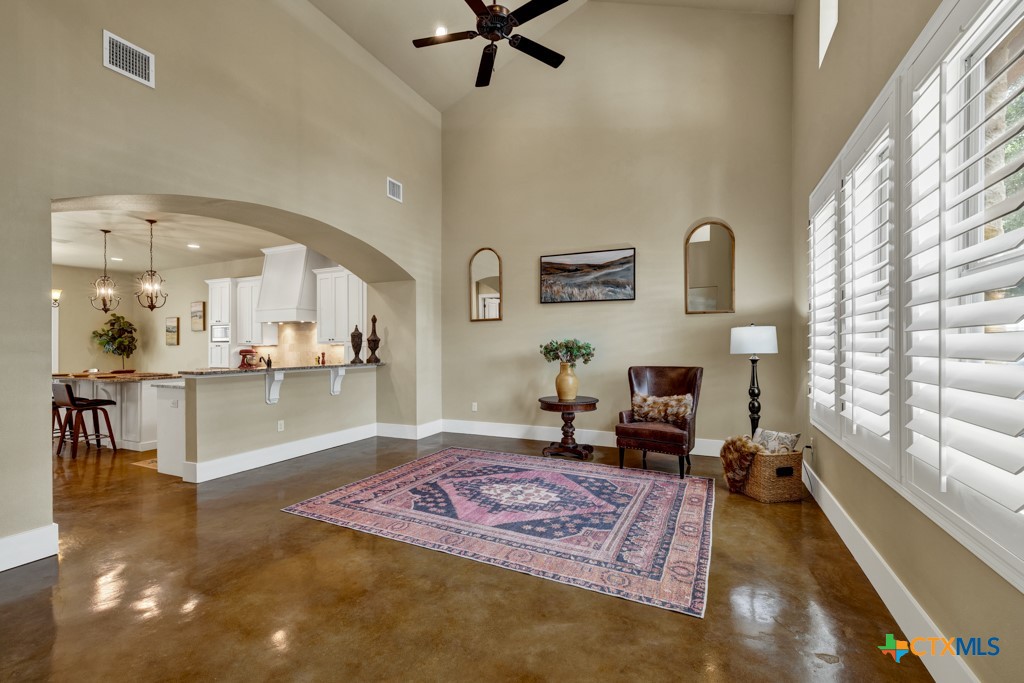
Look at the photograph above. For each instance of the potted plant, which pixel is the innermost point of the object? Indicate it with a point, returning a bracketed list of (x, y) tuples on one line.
[(567, 352), (117, 337)]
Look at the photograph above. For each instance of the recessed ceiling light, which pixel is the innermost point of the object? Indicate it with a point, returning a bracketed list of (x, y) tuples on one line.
[(441, 31), (115, 258), (192, 246)]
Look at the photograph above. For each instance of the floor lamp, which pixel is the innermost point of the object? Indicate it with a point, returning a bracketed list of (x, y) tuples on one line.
[(752, 340)]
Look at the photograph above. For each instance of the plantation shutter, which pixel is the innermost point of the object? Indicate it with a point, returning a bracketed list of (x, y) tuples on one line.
[(822, 301), (866, 334), (965, 310)]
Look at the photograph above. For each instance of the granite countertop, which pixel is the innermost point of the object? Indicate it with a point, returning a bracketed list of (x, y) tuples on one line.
[(120, 378), (170, 385), (212, 372)]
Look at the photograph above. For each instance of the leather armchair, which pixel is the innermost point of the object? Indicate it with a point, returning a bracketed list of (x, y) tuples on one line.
[(660, 437)]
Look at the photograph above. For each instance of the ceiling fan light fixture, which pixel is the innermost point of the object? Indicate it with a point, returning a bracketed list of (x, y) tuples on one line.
[(104, 290), (151, 294), (494, 23)]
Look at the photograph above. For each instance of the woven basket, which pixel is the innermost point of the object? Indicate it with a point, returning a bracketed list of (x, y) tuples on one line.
[(775, 477)]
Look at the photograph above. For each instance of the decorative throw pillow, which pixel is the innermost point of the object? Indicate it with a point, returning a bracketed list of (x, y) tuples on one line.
[(671, 409), (776, 442)]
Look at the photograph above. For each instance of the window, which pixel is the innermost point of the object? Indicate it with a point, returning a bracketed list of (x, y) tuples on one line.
[(828, 19), (824, 268), (966, 268), (866, 331), (929, 393), (852, 384)]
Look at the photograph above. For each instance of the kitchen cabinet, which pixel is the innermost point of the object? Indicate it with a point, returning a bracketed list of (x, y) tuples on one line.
[(340, 305), (138, 413), (248, 330), (220, 355), (220, 301)]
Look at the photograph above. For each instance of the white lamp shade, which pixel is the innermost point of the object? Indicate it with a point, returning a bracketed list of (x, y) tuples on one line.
[(754, 339)]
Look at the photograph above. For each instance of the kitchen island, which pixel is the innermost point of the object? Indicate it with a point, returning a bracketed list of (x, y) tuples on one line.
[(133, 419), (235, 420)]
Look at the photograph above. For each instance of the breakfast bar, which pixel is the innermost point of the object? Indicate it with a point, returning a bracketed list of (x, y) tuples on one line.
[(274, 377), (233, 420)]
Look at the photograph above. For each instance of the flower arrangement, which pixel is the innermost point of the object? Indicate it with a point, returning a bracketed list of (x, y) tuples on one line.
[(569, 351)]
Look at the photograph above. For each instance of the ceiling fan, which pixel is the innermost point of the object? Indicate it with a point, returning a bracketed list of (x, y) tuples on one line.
[(495, 22)]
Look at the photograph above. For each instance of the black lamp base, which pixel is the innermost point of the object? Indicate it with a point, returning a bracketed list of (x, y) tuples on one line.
[(755, 393)]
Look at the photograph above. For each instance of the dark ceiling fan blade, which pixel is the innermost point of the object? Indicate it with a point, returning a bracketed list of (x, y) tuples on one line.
[(537, 51), (483, 75), (532, 10), (478, 7), (447, 38)]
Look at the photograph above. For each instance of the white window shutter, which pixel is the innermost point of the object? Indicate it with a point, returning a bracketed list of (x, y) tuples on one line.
[(866, 315), (823, 298), (964, 309)]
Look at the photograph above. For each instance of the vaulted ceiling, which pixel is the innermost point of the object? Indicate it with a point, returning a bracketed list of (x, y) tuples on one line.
[(445, 74)]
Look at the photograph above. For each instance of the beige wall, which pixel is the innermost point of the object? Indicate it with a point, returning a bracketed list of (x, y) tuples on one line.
[(311, 127), (77, 351), (230, 415), (659, 117), (958, 591)]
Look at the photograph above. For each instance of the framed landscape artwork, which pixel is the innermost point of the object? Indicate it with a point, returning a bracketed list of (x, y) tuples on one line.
[(171, 331), (608, 275), (197, 314)]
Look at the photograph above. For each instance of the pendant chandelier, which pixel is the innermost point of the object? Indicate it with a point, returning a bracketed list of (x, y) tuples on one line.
[(151, 294), (104, 289)]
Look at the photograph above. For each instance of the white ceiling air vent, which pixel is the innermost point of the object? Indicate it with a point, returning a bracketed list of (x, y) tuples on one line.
[(129, 60), (394, 189)]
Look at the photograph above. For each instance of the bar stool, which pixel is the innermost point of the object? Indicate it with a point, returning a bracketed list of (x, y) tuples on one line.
[(64, 397)]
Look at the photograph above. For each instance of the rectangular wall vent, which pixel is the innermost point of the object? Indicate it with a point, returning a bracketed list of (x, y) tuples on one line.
[(394, 189), (129, 60)]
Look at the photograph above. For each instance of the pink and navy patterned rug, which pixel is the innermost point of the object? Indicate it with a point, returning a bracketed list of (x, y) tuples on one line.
[(636, 534)]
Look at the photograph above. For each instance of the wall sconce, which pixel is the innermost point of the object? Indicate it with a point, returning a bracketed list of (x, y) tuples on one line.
[(55, 297)]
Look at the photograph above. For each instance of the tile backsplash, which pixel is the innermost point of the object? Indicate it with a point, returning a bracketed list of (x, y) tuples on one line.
[(296, 345)]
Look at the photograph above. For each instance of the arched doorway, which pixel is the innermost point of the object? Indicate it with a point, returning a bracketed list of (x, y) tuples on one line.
[(391, 291)]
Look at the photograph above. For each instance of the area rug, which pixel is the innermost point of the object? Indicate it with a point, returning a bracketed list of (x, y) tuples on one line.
[(150, 464), (640, 535)]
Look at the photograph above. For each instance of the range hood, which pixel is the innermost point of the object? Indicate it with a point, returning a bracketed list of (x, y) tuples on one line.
[(288, 287)]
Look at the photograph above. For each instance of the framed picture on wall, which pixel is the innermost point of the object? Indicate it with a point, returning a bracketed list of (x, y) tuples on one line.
[(171, 331), (608, 275), (197, 314)]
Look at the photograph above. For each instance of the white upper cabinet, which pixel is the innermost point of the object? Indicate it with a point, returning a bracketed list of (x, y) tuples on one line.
[(248, 330), (220, 301), (340, 305)]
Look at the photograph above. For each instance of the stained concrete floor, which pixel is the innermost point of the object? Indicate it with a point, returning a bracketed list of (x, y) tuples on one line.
[(159, 580)]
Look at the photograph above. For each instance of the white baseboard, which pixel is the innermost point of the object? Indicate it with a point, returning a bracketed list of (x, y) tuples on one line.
[(416, 432), (28, 546), (549, 433), (197, 473), (429, 429), (136, 445), (908, 613)]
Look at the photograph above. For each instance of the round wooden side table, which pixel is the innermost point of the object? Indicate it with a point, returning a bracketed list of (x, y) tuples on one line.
[(568, 446)]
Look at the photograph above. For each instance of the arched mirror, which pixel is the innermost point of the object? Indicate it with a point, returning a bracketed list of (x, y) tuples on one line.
[(485, 285), (710, 269)]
